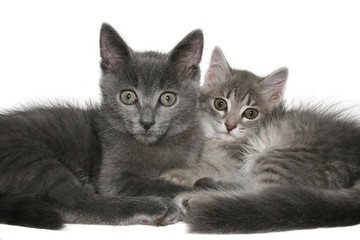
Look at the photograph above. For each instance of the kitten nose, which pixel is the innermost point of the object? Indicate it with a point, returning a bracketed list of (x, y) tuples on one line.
[(146, 125), (229, 127)]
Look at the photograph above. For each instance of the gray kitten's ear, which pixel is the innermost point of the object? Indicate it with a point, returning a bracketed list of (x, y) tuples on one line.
[(113, 49), (272, 87), (187, 54), (218, 68)]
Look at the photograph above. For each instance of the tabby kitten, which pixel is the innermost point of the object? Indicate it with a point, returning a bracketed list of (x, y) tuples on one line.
[(101, 164), (267, 168)]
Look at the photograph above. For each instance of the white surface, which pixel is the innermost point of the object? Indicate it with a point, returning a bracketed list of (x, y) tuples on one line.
[(173, 232), (50, 50)]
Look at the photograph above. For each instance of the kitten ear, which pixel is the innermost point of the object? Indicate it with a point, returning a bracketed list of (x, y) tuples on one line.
[(218, 68), (113, 49), (272, 87), (187, 54)]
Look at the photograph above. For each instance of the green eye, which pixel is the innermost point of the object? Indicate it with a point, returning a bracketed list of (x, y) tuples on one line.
[(167, 99), (128, 97), (250, 113), (220, 104)]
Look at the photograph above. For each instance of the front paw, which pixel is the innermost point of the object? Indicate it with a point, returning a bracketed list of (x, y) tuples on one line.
[(185, 202), (178, 177), (189, 203), (157, 211)]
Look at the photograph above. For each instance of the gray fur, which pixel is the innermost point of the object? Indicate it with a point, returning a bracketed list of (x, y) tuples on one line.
[(286, 169), (101, 164), (134, 156)]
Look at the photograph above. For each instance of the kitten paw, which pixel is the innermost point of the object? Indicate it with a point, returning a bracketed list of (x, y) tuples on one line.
[(172, 215), (186, 201), (189, 202), (158, 212), (178, 177)]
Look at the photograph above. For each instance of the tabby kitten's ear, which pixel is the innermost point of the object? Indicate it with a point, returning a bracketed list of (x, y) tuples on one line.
[(187, 54), (113, 49), (272, 87), (218, 68)]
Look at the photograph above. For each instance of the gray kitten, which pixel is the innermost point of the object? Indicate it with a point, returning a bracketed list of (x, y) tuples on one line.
[(101, 164), (267, 168)]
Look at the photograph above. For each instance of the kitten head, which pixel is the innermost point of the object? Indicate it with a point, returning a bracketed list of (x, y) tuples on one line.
[(150, 95), (232, 100)]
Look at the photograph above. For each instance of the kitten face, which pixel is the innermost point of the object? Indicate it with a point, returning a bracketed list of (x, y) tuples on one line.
[(149, 105), (233, 100), (230, 114), (150, 95)]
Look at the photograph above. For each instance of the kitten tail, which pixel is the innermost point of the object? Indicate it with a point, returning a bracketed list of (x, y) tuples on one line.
[(28, 211), (274, 209)]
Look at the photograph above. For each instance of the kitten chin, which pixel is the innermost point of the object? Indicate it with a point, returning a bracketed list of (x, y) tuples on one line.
[(147, 137)]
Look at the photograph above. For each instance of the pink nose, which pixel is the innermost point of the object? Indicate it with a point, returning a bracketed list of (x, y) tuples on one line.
[(229, 127)]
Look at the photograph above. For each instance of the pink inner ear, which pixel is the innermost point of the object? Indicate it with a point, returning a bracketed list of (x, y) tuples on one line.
[(274, 98), (275, 91), (215, 75), (272, 87), (212, 75), (209, 78), (218, 68)]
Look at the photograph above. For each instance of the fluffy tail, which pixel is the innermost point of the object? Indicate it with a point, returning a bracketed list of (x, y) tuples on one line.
[(28, 211), (272, 209)]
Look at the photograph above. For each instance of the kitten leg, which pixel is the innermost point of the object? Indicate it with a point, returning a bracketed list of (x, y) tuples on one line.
[(63, 193), (122, 211), (188, 202), (272, 208), (129, 184), (183, 177), (78, 206)]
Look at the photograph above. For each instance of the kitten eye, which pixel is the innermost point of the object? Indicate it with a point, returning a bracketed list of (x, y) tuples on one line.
[(220, 104), (167, 99), (128, 97), (250, 113)]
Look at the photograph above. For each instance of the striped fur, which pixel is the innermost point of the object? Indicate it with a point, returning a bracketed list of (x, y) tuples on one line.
[(289, 168)]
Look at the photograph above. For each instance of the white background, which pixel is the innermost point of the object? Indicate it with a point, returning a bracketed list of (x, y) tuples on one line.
[(49, 50)]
